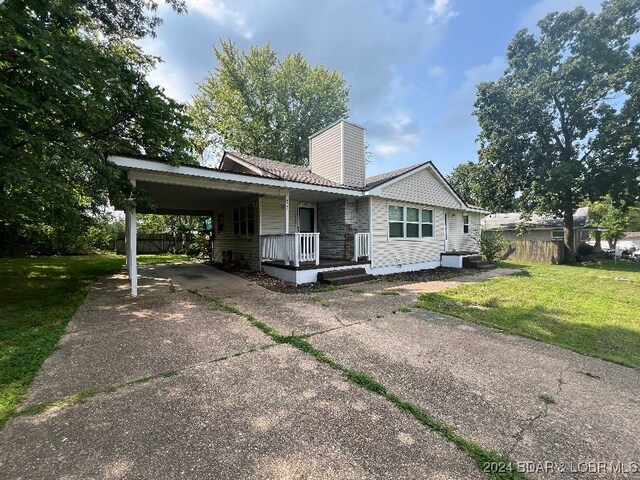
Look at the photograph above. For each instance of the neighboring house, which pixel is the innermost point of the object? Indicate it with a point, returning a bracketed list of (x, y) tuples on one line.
[(630, 240), (539, 227), (294, 222)]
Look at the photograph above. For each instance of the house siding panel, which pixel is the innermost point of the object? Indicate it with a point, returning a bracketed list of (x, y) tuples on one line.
[(354, 156), (325, 152), (361, 223), (458, 240), (247, 246), (391, 252), (421, 187), (272, 216)]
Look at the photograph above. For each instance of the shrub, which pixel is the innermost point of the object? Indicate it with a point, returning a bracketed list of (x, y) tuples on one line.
[(491, 244), (584, 250)]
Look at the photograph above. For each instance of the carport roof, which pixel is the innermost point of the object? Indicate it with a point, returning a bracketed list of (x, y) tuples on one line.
[(197, 190)]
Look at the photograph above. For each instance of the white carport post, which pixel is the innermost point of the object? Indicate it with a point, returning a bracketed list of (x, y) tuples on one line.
[(132, 246), (286, 228)]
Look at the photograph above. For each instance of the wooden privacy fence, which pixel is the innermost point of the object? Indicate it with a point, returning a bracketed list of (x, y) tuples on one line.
[(533, 251), (149, 243)]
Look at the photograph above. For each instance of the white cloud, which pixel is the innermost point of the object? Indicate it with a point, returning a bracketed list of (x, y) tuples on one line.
[(397, 135), (440, 11), (221, 14), (437, 73)]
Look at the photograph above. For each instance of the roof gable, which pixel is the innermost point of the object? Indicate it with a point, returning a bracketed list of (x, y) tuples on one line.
[(421, 183)]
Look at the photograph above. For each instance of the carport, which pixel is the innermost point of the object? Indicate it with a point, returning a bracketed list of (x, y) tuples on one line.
[(195, 190)]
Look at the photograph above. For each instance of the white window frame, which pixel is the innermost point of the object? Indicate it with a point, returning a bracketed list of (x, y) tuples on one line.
[(389, 222), (557, 239), (406, 222), (432, 223), (465, 224)]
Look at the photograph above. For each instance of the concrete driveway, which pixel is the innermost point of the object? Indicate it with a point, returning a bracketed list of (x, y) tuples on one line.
[(169, 385)]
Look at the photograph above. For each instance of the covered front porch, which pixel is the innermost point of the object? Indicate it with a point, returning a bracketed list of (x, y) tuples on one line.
[(260, 223)]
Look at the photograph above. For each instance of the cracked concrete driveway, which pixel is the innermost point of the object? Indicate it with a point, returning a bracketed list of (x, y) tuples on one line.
[(225, 401)]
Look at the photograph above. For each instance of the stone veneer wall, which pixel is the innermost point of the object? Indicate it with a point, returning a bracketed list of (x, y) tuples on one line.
[(337, 222)]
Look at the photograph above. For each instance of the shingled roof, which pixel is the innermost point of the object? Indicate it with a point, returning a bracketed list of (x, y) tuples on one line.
[(509, 221), (376, 180), (287, 171), (299, 173)]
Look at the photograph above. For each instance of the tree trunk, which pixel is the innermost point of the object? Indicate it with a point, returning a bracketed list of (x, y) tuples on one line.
[(598, 246), (569, 250)]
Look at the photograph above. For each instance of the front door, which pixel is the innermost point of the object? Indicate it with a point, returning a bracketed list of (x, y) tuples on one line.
[(446, 232), (306, 219)]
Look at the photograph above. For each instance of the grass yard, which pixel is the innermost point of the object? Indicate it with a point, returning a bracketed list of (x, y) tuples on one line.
[(592, 308), (38, 296)]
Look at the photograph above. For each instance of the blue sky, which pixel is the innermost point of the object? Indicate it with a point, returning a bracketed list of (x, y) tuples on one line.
[(412, 64)]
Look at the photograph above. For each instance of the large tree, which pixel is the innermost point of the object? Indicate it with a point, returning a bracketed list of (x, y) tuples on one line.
[(73, 88), (256, 104), (561, 124)]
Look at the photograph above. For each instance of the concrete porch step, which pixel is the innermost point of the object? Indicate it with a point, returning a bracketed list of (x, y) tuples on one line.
[(344, 277), (481, 264), (466, 261)]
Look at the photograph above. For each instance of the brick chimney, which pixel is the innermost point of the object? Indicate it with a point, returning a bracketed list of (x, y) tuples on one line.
[(337, 153)]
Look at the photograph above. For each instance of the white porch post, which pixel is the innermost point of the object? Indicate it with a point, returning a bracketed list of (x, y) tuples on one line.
[(133, 248), (286, 226), (286, 214)]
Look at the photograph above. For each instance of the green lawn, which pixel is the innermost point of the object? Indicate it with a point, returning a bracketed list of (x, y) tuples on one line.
[(38, 296), (591, 308)]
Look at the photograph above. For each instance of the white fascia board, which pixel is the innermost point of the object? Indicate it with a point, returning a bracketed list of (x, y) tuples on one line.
[(244, 163), (377, 191), (152, 166)]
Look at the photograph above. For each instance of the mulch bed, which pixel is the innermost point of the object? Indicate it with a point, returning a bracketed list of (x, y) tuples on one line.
[(277, 285)]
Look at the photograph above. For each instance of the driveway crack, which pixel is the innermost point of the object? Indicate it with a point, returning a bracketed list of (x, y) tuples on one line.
[(530, 423)]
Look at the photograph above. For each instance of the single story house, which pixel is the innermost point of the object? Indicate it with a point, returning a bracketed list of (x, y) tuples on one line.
[(539, 227), (630, 240), (294, 222)]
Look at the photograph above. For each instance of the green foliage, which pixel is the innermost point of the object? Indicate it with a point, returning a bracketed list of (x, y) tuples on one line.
[(605, 214), (584, 250), (259, 105), (491, 244), (38, 296), (72, 90), (585, 308), (633, 219), (468, 182), (561, 124)]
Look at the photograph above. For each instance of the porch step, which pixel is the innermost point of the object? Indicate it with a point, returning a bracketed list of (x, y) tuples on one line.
[(344, 277), (466, 261), (481, 264)]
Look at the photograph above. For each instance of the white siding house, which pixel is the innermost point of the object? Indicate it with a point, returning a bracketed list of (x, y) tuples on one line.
[(294, 222)]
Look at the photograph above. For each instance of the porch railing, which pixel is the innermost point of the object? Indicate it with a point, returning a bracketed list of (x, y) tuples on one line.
[(291, 248), (360, 246)]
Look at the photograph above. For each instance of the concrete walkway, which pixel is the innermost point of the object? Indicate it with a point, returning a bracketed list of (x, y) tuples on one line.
[(216, 397)]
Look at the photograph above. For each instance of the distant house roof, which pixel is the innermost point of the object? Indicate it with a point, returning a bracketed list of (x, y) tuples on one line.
[(385, 177), (629, 235), (509, 221)]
